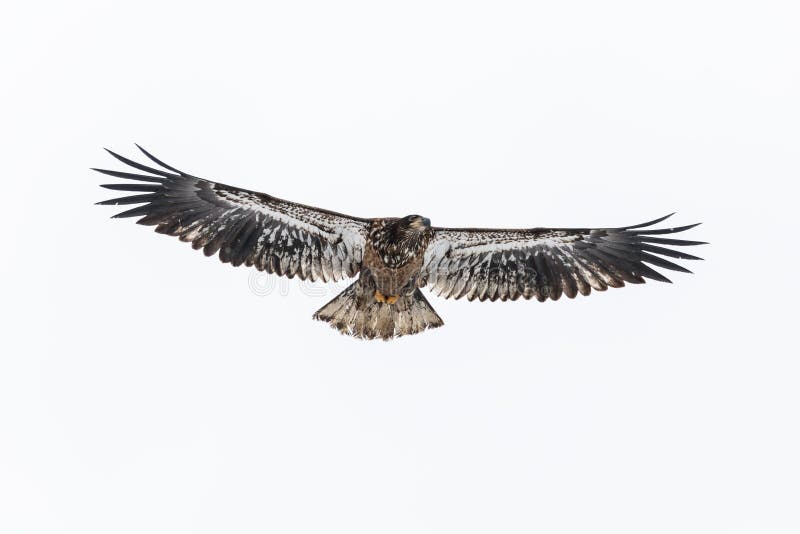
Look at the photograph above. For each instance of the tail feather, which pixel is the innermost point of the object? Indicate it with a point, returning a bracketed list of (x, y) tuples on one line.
[(355, 312)]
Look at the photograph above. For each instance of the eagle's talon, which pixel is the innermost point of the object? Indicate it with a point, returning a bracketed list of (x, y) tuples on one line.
[(384, 299)]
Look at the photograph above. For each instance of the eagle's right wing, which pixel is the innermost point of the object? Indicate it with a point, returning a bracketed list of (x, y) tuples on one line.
[(245, 227), (544, 263)]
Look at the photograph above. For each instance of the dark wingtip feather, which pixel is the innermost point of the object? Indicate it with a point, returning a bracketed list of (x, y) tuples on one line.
[(132, 199), (652, 274), (134, 212), (664, 264), (139, 166), (132, 187), (667, 252), (672, 242), (651, 223), (158, 161), (132, 176), (673, 230)]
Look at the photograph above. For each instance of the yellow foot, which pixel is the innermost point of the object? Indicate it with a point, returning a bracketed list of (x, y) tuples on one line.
[(384, 299)]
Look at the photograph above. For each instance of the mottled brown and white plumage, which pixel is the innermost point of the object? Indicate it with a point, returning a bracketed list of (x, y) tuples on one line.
[(393, 257)]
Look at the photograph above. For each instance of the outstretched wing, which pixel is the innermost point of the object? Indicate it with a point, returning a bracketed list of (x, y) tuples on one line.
[(547, 262), (245, 227)]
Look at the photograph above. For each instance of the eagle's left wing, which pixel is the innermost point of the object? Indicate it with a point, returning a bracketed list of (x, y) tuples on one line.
[(244, 227), (545, 263)]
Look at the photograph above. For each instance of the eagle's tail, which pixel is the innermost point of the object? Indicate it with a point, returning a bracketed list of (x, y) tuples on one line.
[(356, 312)]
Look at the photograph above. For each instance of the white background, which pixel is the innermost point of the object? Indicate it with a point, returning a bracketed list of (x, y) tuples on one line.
[(145, 388)]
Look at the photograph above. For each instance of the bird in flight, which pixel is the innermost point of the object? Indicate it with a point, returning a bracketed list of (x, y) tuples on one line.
[(392, 257)]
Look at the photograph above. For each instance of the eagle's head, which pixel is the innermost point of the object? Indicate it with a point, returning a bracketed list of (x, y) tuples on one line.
[(417, 223), (412, 234), (399, 240)]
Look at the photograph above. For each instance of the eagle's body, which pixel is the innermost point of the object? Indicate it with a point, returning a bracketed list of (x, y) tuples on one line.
[(386, 301), (395, 251), (392, 257)]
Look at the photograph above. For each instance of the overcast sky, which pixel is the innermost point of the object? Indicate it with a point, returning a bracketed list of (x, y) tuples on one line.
[(146, 388)]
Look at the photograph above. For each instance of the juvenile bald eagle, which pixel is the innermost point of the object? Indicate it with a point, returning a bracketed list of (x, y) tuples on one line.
[(392, 257)]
